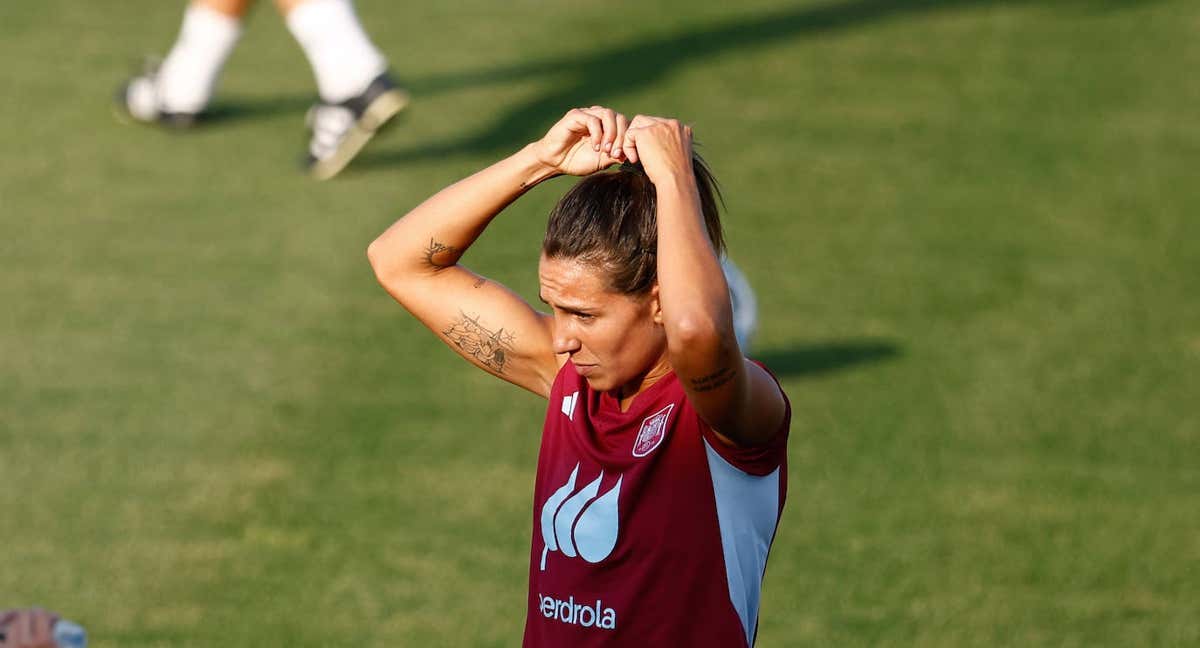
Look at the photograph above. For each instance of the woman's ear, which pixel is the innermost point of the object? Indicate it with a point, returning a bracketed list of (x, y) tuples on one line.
[(655, 305)]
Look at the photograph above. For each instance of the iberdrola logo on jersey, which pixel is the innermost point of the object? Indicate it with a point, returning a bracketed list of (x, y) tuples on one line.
[(580, 523)]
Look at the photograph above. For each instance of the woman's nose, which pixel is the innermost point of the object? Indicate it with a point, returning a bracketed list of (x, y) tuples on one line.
[(565, 340)]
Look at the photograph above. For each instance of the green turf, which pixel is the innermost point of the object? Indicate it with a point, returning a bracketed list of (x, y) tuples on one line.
[(974, 228)]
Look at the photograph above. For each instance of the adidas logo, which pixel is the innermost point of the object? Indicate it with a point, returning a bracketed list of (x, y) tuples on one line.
[(568, 405)]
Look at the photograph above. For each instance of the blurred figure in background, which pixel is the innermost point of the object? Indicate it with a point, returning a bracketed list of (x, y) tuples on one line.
[(357, 95), (38, 628)]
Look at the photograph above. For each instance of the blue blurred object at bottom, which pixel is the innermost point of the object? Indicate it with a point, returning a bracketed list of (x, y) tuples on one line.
[(68, 634)]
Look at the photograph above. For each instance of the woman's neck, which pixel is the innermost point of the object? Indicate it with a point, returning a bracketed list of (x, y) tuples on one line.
[(626, 393)]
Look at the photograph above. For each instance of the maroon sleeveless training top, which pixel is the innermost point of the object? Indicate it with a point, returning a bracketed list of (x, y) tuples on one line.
[(647, 530)]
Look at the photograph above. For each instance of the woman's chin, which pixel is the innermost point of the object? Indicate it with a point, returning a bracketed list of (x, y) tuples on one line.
[(598, 383), (602, 381)]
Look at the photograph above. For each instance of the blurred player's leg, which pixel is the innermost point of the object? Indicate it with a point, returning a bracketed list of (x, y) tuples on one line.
[(179, 89), (343, 58), (357, 94)]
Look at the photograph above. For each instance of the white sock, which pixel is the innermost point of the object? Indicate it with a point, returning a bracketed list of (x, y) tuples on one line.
[(342, 56), (189, 74)]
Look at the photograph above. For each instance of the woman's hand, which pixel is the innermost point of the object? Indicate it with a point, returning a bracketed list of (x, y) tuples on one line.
[(584, 141), (27, 628), (663, 146)]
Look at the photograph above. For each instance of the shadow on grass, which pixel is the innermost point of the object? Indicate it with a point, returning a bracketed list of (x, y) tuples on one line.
[(826, 357), (234, 109), (606, 75)]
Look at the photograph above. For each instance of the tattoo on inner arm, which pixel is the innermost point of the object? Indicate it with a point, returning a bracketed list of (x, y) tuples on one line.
[(436, 249), (713, 380), (487, 347)]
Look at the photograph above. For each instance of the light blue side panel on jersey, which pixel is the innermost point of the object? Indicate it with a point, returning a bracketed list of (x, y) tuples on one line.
[(747, 511)]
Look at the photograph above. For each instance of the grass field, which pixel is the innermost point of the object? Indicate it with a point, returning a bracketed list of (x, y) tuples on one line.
[(974, 228)]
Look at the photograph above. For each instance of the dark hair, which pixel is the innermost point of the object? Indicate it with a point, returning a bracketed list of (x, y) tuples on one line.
[(610, 219)]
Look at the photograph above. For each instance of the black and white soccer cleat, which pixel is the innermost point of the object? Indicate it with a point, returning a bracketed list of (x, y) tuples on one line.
[(140, 99), (341, 130)]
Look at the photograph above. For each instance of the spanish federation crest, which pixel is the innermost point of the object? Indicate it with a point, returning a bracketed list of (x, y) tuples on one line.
[(653, 431)]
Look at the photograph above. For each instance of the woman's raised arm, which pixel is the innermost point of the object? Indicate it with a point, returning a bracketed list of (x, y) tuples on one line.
[(735, 396), (416, 259)]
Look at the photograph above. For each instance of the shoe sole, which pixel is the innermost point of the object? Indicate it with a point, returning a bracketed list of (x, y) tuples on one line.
[(380, 112)]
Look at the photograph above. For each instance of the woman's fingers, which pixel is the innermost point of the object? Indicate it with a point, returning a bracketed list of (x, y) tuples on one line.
[(608, 119), (18, 629), (43, 626), (29, 628), (635, 130), (615, 125), (640, 121), (616, 138), (622, 127), (629, 143), (583, 121), (662, 146)]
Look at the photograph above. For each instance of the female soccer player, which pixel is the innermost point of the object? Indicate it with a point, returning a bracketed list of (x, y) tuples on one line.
[(662, 470)]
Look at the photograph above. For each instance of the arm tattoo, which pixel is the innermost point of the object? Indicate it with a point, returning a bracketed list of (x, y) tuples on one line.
[(436, 248), (480, 281), (713, 380), (488, 348)]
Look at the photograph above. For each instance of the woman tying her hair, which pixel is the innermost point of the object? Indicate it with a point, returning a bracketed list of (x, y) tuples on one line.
[(663, 463)]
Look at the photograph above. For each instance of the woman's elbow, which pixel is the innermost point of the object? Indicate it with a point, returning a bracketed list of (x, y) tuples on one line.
[(384, 267), (375, 256), (697, 332)]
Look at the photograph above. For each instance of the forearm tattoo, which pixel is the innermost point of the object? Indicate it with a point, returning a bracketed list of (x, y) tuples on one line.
[(713, 380), (436, 249), (488, 348)]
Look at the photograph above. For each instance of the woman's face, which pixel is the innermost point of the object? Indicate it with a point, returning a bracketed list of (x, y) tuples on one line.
[(612, 339)]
